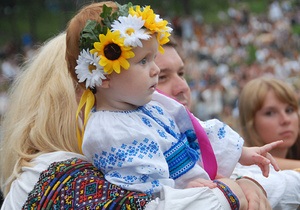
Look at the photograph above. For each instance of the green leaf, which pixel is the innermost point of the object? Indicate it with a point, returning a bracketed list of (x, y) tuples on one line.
[(106, 11), (90, 34), (123, 9)]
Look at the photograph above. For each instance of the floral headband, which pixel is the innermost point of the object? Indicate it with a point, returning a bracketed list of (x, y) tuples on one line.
[(106, 48)]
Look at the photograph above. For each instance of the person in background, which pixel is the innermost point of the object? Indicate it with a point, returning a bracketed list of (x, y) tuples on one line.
[(268, 111), (272, 114), (281, 187)]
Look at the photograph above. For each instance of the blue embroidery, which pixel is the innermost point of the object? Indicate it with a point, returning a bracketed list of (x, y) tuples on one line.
[(180, 158), (155, 183), (130, 179), (143, 148), (222, 132), (162, 133), (126, 154), (159, 110), (153, 147), (172, 123), (132, 151), (115, 174), (122, 155), (111, 159), (157, 120), (149, 192), (144, 178), (192, 139), (146, 121)]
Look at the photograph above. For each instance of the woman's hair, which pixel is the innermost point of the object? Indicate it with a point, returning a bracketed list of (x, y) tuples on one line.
[(251, 100), (75, 26), (41, 112)]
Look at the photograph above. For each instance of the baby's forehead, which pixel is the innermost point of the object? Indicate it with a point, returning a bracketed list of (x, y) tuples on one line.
[(151, 45)]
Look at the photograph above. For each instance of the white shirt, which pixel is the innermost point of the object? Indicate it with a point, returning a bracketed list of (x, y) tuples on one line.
[(282, 187), (131, 147)]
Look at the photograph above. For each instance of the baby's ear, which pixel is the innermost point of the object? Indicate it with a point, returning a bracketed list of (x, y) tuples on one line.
[(105, 83)]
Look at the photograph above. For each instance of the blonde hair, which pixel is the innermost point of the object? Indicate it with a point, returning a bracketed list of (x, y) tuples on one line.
[(41, 114), (251, 100), (75, 26)]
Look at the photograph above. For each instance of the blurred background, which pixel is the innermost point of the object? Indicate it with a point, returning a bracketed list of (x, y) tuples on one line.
[(225, 43)]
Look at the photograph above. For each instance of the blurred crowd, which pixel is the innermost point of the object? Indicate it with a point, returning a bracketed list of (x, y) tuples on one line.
[(219, 59)]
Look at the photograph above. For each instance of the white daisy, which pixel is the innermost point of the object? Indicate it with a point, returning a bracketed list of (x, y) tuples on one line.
[(88, 69), (131, 29)]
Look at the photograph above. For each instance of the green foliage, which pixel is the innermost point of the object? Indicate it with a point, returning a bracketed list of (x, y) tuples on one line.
[(109, 17), (90, 33)]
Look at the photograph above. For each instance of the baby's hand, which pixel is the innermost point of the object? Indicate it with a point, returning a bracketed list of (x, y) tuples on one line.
[(201, 183), (260, 156)]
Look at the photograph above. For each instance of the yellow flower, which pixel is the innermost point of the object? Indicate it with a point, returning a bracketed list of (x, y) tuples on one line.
[(113, 54), (162, 38), (147, 15), (153, 23)]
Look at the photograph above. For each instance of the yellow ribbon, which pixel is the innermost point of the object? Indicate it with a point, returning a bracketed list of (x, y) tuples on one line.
[(87, 100)]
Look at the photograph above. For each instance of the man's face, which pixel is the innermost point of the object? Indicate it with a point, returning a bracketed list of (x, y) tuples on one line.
[(171, 78)]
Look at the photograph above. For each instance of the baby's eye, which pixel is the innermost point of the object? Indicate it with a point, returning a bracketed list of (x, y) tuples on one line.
[(143, 61)]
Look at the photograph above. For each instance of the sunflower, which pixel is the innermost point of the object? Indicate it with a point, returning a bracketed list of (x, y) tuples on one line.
[(113, 53)]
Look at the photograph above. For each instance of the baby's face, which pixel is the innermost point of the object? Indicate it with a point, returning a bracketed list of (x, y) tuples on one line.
[(134, 87)]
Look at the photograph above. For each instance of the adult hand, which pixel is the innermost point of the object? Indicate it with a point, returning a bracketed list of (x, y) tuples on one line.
[(254, 193)]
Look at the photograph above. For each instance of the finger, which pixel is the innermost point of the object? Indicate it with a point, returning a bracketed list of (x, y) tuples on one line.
[(268, 147), (273, 161), (266, 170), (254, 203), (259, 159), (265, 205), (212, 185)]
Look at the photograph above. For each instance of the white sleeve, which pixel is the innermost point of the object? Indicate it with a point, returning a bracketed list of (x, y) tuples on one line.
[(189, 199), (282, 187), (226, 143)]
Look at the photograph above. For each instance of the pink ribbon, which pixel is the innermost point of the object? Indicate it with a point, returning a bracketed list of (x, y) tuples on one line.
[(208, 157)]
